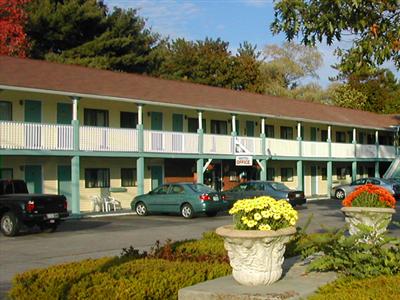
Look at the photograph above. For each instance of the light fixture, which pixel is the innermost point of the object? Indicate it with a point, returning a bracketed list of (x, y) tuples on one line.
[(21, 102)]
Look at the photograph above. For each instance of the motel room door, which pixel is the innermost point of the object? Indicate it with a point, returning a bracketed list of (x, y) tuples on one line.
[(314, 180), (156, 176), (64, 183), (33, 178)]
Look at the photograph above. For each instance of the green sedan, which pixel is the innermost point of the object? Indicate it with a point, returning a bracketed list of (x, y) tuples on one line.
[(187, 199)]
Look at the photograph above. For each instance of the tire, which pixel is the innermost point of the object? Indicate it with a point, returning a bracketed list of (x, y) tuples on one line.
[(340, 194), (211, 213), (141, 209), (48, 228), (9, 224), (187, 211)]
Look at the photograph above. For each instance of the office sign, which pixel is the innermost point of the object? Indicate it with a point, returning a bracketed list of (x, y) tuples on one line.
[(244, 160)]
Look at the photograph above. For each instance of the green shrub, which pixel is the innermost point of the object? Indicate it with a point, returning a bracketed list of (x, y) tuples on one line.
[(348, 288), (115, 279)]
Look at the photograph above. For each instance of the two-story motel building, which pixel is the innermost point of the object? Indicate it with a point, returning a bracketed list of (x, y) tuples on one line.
[(81, 132)]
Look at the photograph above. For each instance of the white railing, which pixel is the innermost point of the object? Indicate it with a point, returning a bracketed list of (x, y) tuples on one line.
[(20, 135), (387, 151), (252, 144), (341, 150), (170, 142), (315, 149), (278, 147), (218, 144), (365, 151), (107, 139)]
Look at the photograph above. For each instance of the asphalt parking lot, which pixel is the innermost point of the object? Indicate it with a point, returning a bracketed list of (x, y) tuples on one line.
[(106, 236)]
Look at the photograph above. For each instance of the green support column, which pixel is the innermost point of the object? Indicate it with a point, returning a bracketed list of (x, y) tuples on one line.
[(300, 178), (199, 170), (353, 170), (263, 173), (75, 172), (329, 176), (377, 169), (140, 161)]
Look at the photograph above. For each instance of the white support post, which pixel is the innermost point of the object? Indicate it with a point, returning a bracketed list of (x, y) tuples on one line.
[(377, 137), (329, 133), (75, 101), (200, 117), (140, 114), (233, 123), (298, 130), (354, 135), (263, 126)]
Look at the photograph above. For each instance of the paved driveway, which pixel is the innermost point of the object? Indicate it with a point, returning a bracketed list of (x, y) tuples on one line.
[(106, 236)]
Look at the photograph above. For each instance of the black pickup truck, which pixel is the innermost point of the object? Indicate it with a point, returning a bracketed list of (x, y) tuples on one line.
[(18, 207)]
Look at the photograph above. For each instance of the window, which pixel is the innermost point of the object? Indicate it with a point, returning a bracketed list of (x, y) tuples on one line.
[(177, 189), (324, 135), (219, 127), (361, 138), (341, 173), (6, 173), (95, 117), (162, 190), (371, 172), (340, 137), (361, 181), (286, 174), (193, 125), (97, 178), (128, 119), (128, 177), (370, 138), (286, 133), (269, 131), (271, 174), (324, 174), (5, 111)]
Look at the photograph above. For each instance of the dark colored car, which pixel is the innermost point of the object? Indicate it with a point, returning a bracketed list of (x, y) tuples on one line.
[(187, 199), (252, 189), (18, 207)]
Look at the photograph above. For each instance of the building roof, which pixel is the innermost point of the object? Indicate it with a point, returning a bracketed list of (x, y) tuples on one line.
[(47, 76)]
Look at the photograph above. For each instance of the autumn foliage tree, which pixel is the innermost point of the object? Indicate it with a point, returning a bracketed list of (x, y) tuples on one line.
[(13, 40)]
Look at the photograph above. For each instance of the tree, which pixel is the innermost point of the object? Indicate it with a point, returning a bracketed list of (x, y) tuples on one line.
[(58, 25), (344, 95), (13, 39), (372, 25), (124, 45), (291, 62)]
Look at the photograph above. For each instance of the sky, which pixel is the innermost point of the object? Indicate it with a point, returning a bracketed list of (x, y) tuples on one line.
[(234, 21)]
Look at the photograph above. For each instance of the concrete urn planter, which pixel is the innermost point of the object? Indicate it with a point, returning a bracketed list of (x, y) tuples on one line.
[(256, 256), (375, 217)]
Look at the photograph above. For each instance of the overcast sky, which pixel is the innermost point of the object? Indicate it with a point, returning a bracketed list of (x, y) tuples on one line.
[(234, 21)]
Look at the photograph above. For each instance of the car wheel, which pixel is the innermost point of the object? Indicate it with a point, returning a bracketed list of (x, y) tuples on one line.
[(141, 209), (9, 224), (187, 211), (211, 213), (339, 194), (48, 228)]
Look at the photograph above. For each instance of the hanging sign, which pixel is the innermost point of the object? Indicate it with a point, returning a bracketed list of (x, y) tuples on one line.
[(244, 160)]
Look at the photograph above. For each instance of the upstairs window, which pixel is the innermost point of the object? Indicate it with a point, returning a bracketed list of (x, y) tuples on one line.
[(324, 135), (340, 137), (5, 111), (193, 125), (95, 117), (128, 119), (219, 127), (286, 133), (269, 131)]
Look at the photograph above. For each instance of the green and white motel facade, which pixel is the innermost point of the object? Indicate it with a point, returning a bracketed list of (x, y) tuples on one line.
[(84, 132)]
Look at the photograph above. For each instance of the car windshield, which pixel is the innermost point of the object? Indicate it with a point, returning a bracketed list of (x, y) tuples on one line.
[(239, 188), (279, 186), (201, 188)]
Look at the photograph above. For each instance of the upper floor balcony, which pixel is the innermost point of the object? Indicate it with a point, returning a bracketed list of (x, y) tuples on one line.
[(37, 136)]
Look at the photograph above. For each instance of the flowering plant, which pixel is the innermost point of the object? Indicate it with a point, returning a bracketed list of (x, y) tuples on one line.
[(370, 195), (263, 213)]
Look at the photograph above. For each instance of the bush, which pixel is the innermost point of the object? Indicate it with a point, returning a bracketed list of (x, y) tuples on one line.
[(348, 288), (115, 279)]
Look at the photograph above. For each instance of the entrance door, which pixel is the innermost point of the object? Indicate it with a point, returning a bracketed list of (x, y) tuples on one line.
[(156, 176), (64, 183), (64, 113), (156, 121), (177, 122), (313, 134), (314, 180), (33, 178), (33, 114), (33, 111), (250, 128)]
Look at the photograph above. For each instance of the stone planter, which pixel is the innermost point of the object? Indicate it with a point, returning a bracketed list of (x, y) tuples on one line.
[(256, 256), (378, 218)]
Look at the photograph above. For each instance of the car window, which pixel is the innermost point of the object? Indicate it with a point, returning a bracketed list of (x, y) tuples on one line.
[(240, 187), (177, 189), (279, 186), (373, 181), (201, 188), (161, 190), (251, 187), (359, 182)]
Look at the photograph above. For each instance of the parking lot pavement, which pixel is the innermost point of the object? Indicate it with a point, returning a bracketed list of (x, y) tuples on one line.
[(106, 236)]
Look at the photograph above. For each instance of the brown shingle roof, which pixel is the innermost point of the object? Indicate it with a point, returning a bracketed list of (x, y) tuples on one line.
[(44, 75)]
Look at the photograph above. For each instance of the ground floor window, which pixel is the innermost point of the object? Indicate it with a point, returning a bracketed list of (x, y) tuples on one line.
[(271, 174), (6, 173), (341, 173), (97, 178), (324, 174), (128, 177), (286, 174)]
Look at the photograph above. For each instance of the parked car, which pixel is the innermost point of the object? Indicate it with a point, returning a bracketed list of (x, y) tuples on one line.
[(187, 199), (252, 189), (341, 191), (18, 207)]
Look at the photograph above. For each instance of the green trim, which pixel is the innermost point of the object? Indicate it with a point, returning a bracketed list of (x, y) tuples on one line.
[(140, 175), (199, 170), (200, 133), (300, 177), (75, 126), (353, 170), (329, 176), (263, 173), (377, 169), (75, 186), (140, 136)]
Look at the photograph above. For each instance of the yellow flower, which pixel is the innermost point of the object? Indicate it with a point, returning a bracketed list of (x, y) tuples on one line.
[(257, 217), (264, 227)]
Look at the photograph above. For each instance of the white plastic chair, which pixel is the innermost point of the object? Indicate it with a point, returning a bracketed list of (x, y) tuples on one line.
[(97, 203), (109, 202)]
